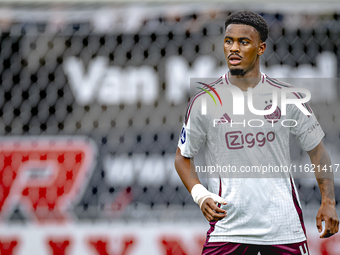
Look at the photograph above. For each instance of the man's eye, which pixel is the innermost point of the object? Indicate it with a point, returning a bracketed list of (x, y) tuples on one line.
[(228, 41), (244, 42)]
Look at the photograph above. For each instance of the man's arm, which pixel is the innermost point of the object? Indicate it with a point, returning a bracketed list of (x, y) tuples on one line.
[(208, 207), (320, 158)]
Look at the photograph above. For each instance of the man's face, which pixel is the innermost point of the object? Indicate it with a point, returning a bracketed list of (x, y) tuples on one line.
[(242, 46)]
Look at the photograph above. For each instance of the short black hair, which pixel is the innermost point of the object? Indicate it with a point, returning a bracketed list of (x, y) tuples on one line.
[(249, 18)]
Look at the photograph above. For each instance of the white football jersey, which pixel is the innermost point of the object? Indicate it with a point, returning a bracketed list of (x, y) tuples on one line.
[(263, 208)]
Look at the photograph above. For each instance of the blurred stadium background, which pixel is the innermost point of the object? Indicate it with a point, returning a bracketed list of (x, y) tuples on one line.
[(98, 91)]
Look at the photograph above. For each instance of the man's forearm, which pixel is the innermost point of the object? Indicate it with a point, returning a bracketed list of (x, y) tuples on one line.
[(206, 200), (323, 173), (185, 169), (325, 178)]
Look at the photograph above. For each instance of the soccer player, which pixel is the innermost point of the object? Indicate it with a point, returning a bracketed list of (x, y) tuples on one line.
[(250, 214)]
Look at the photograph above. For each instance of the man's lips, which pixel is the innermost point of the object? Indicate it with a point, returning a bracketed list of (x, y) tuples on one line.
[(234, 60)]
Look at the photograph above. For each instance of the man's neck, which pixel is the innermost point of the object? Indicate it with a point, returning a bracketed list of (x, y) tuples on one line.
[(249, 80)]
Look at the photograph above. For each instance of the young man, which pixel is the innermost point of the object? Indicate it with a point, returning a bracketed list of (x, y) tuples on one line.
[(251, 214)]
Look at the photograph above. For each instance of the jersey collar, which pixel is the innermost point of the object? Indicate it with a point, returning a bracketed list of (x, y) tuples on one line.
[(227, 82)]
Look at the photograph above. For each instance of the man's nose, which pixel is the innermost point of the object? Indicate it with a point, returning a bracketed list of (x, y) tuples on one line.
[(235, 47)]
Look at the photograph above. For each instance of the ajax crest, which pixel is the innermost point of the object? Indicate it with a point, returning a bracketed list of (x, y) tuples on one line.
[(273, 117)]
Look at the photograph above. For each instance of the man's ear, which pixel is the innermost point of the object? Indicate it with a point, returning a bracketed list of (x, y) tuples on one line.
[(262, 48)]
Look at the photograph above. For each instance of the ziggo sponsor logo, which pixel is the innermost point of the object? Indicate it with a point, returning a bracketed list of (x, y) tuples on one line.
[(236, 140)]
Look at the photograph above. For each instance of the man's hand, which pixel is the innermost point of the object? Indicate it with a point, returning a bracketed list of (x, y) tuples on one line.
[(207, 202), (328, 214), (211, 211)]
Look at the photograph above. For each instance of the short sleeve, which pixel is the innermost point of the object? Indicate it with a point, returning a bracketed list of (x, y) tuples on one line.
[(307, 130), (194, 130)]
